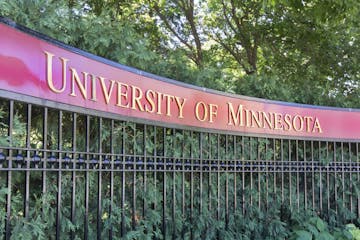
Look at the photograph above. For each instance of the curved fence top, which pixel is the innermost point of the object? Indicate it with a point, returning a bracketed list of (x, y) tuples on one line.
[(51, 72)]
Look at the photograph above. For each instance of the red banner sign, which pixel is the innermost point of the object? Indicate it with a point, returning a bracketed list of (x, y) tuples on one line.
[(35, 67)]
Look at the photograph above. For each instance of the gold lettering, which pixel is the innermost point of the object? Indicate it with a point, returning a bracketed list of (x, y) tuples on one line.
[(288, 122), (153, 101), (235, 119), (122, 95), (106, 92), (82, 87), (180, 106), (49, 74), (308, 120), (317, 126), (136, 98), (150, 95), (278, 121), (93, 88), (159, 99), (197, 114), (213, 112), (256, 119), (248, 119), (268, 119), (169, 98), (301, 123)]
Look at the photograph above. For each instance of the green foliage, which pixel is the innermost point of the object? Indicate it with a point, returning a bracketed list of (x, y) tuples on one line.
[(18, 134), (272, 212), (4, 138), (355, 231), (308, 48), (3, 194), (81, 28), (253, 224), (38, 224), (315, 228)]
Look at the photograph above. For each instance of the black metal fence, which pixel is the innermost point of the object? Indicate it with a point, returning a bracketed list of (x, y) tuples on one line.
[(93, 175)]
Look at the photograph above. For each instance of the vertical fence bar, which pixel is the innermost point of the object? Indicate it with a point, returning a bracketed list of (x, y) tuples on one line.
[(290, 173), (123, 179), (210, 162), (174, 174), (133, 204), (297, 175), (112, 139), (282, 169), (45, 133), (259, 162), (289, 164), (335, 178), (218, 179), (73, 174), (99, 197), (243, 174), (226, 182), (350, 178), (313, 173), (192, 185), (274, 168), (342, 173), (250, 160), (183, 183), (86, 215), (155, 161), (305, 175), (235, 163), (267, 162), (358, 178), (145, 169), (9, 174), (59, 179), (164, 184), (202, 164), (201, 171), (320, 179), (27, 172), (327, 179)]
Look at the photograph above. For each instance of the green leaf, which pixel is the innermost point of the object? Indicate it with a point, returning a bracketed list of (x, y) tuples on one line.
[(303, 235), (324, 236), (320, 225), (312, 229)]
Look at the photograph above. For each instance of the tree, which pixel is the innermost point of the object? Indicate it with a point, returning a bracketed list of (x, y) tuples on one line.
[(238, 26), (302, 51), (180, 18)]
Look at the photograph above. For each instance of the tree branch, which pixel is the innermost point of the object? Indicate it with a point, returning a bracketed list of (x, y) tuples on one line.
[(170, 28)]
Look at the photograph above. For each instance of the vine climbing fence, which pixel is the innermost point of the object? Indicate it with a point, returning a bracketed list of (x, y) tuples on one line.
[(80, 173)]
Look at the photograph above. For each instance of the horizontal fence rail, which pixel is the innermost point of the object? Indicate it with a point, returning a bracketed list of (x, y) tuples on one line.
[(154, 157)]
